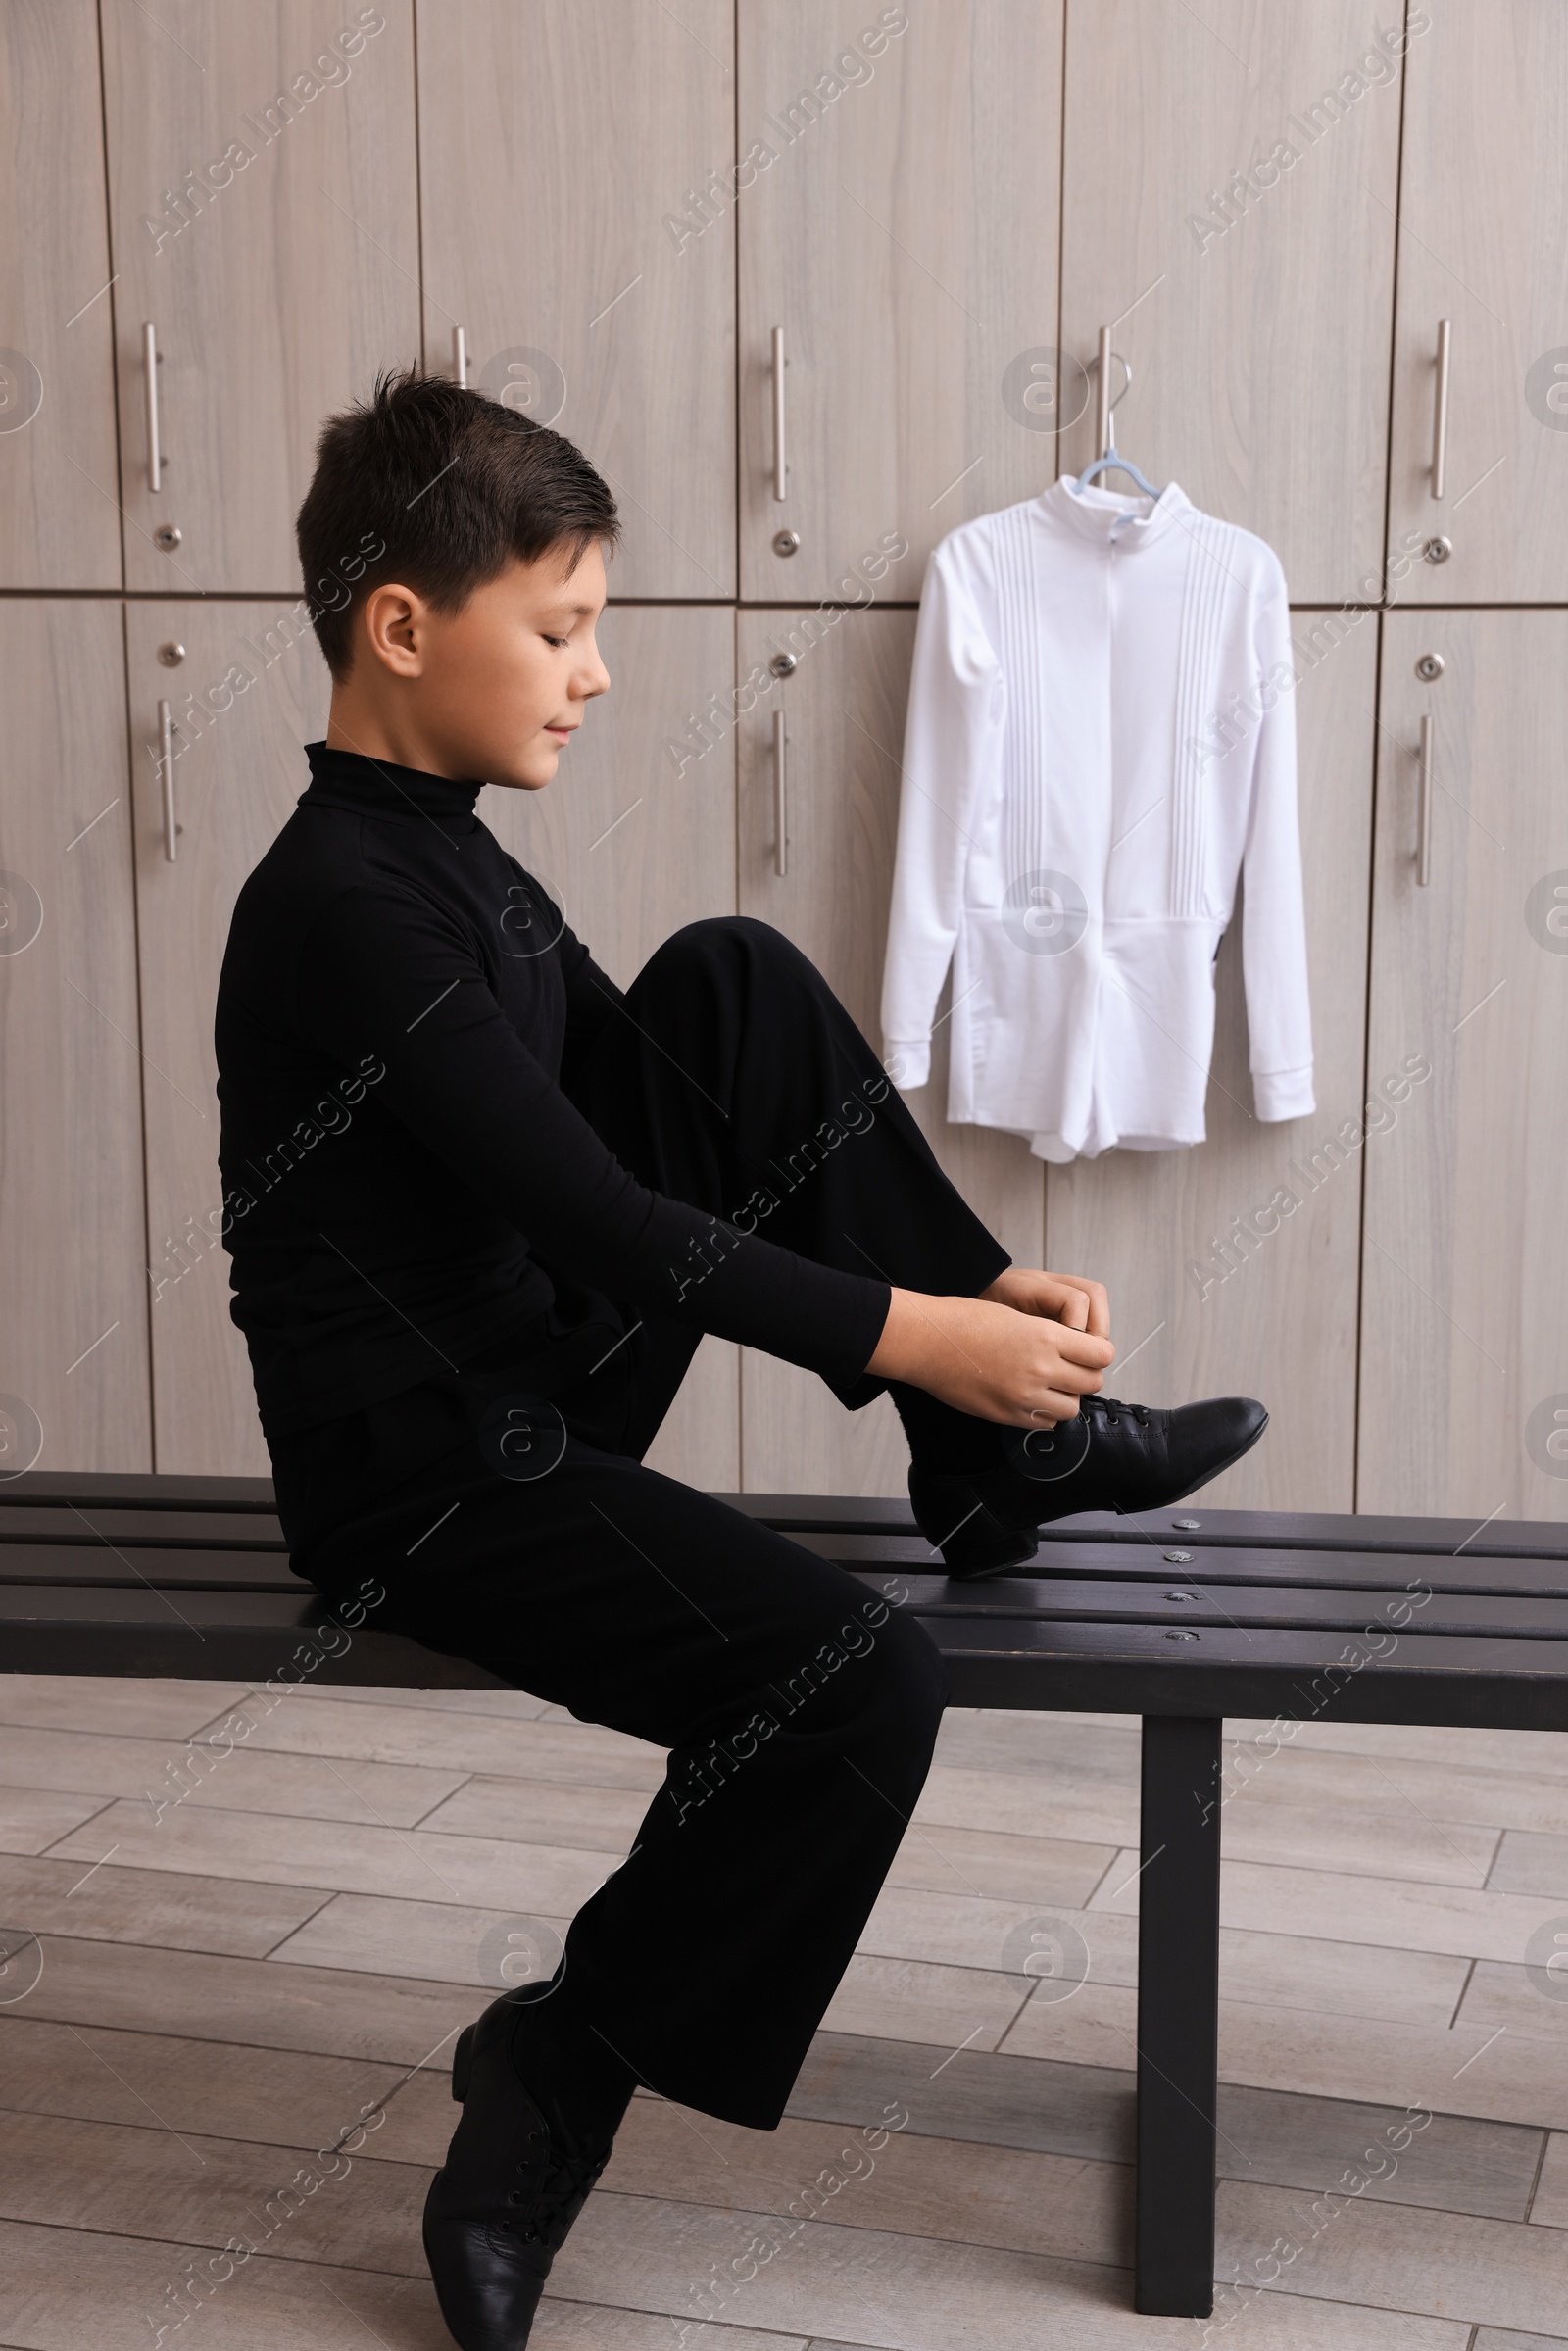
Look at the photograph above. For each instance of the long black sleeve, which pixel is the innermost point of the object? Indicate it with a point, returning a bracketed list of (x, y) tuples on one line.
[(407, 1184), (383, 963)]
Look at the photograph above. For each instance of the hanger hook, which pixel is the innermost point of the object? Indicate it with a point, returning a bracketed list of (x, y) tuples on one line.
[(1126, 366)]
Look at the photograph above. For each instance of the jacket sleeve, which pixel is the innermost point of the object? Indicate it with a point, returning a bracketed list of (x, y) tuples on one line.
[(383, 967), (1279, 1016), (956, 695), (534, 924)]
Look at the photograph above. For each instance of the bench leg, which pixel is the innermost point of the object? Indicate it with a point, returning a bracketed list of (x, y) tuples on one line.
[(1178, 2014)]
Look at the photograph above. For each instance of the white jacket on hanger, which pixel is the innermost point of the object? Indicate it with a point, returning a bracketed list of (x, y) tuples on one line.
[(1101, 737)]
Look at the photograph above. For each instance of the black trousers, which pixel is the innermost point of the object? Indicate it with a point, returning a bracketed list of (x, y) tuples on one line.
[(800, 1709)]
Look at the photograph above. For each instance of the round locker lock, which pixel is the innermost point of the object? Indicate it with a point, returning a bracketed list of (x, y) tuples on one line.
[(1181, 1596), (1191, 1525), (782, 664), (1429, 666), (1178, 1558), (171, 655), (785, 542), (168, 536), (1439, 549), (1183, 1636)]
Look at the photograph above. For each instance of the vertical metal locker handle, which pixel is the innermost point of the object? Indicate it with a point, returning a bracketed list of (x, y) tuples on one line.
[(780, 798), (1103, 401), (165, 777), (1440, 413), (780, 469), (1423, 820), (460, 357), (149, 360)]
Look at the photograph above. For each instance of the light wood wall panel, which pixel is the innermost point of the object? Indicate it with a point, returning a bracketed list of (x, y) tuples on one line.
[(1464, 1327), (904, 236), (1483, 211), (635, 837), (58, 524), (844, 709), (1271, 1310), (238, 771), (72, 1286), (563, 157), (1260, 348), (277, 294)]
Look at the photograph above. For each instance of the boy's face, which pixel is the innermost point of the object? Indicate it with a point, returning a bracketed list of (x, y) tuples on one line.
[(495, 691)]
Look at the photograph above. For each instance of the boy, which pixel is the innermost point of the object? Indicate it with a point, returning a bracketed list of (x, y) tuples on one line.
[(469, 1302)]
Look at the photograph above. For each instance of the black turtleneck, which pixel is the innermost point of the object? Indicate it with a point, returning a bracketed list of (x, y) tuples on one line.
[(398, 1003)]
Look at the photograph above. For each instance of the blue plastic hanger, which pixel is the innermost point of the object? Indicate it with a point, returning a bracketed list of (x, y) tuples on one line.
[(1112, 460)]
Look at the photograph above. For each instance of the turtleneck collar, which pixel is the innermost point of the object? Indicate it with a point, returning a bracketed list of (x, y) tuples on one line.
[(1113, 517), (347, 779)]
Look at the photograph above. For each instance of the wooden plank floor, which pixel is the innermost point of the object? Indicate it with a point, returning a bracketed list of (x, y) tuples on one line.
[(200, 1993)]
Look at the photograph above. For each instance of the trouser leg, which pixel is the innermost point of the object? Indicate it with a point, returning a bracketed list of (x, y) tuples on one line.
[(799, 1707), (736, 1080)]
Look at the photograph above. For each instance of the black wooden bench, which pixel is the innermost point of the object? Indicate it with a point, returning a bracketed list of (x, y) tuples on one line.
[(1181, 1618)]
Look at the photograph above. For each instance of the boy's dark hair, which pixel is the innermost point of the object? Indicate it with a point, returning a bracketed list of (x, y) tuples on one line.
[(438, 486)]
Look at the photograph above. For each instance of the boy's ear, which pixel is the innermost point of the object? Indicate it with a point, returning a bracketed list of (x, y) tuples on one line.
[(389, 620)]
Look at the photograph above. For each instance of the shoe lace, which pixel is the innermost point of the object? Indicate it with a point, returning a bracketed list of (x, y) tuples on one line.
[(1111, 1405), (567, 2178)]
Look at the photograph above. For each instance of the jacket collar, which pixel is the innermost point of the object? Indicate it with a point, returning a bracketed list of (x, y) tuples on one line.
[(347, 779), (1114, 518)]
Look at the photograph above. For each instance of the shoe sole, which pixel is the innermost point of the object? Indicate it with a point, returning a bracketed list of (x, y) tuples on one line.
[(1026, 1567)]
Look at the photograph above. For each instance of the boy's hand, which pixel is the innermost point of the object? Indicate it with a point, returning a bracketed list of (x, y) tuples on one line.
[(1065, 1296), (1025, 1367)]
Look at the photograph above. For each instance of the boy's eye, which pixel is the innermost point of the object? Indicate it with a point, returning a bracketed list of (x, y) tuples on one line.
[(560, 642)]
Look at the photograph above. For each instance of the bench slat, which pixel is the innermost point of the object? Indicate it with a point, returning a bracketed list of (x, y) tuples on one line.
[(1522, 1538), (263, 1567), (182, 1569), (170, 1510), (1060, 1600), (136, 1490), (1369, 1571), (39, 1522)]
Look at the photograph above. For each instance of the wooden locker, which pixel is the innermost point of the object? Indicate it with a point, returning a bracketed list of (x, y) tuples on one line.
[(74, 1313), (237, 772), (592, 270), (1483, 211), (635, 837), (263, 193), (1230, 215), (58, 524), (1233, 1267), (901, 235), (1464, 1363), (843, 706)]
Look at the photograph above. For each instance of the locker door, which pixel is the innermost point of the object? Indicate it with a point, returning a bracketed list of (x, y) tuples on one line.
[(843, 708), (592, 278), (237, 772), (73, 1290), (263, 196), (1483, 216), (900, 231), (1464, 1363), (1232, 1268), (57, 525), (1231, 177)]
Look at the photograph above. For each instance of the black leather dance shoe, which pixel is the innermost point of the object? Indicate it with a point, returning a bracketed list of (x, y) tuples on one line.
[(500, 2208), (1109, 1456)]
